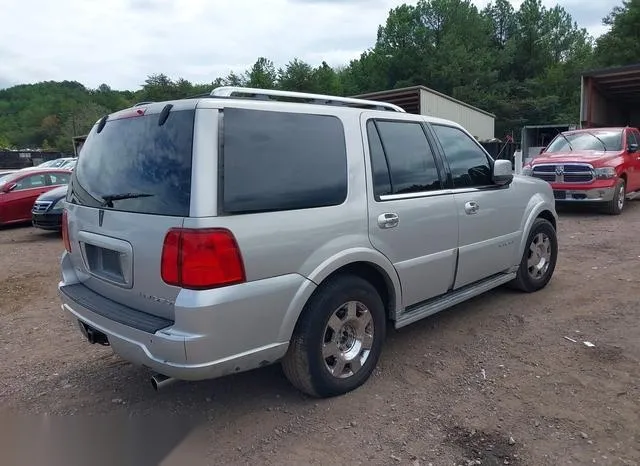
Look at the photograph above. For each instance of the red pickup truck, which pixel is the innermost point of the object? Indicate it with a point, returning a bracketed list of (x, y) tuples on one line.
[(591, 165)]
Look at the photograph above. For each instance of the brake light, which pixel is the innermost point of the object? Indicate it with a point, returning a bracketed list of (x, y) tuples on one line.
[(65, 231), (132, 113), (201, 259)]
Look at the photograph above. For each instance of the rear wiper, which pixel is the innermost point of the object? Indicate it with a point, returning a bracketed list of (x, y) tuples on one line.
[(107, 201), (601, 141)]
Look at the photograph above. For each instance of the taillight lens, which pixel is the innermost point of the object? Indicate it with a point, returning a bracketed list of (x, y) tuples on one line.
[(201, 259), (65, 231)]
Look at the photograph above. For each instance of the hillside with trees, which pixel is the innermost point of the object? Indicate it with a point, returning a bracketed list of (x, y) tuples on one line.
[(523, 65)]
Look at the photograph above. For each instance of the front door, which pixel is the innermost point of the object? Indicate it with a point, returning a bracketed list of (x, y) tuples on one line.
[(19, 201), (633, 176), (490, 216), (412, 219)]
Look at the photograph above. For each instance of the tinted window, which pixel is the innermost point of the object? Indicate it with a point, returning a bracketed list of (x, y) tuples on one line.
[(409, 157), (282, 161), (631, 138), (468, 162), (29, 182), (381, 178), (137, 156)]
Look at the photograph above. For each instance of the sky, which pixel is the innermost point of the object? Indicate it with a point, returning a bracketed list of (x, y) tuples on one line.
[(121, 42)]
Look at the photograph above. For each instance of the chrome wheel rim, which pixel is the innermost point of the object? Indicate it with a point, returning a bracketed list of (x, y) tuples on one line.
[(539, 258), (348, 339), (621, 195)]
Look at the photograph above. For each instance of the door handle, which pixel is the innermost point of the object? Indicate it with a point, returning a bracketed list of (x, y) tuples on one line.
[(388, 220), (471, 207)]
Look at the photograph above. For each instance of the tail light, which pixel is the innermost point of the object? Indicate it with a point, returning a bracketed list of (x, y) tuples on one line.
[(201, 259), (65, 231)]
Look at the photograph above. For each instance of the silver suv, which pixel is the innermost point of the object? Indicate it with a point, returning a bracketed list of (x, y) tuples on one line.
[(218, 234)]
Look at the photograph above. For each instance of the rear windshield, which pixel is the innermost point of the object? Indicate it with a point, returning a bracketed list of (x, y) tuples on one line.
[(135, 165)]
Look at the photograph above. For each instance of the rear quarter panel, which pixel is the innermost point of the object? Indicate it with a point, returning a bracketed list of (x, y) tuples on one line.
[(311, 243)]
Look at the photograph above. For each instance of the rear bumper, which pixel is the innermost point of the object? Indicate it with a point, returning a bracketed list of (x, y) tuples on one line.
[(47, 221), (229, 331), (565, 193)]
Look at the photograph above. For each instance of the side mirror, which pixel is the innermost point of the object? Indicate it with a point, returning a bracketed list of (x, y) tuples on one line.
[(542, 149), (9, 187), (502, 172), (632, 148)]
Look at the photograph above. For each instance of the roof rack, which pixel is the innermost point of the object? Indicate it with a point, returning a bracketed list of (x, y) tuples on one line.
[(302, 97), (139, 104)]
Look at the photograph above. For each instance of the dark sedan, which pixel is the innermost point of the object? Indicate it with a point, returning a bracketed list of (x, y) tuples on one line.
[(47, 210)]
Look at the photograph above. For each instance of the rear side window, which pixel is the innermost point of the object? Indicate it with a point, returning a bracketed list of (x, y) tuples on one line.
[(275, 161), (401, 158), (136, 165), (57, 178)]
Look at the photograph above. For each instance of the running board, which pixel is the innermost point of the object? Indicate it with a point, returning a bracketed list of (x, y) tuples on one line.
[(433, 306)]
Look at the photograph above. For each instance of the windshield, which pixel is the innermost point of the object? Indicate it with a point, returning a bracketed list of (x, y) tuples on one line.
[(52, 163), (9, 177), (4, 177), (597, 140), (136, 165)]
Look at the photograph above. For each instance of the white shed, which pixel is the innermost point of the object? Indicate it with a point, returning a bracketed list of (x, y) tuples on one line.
[(424, 101)]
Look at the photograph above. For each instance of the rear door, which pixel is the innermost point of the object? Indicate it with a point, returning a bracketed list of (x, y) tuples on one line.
[(412, 218), (131, 185), (490, 216)]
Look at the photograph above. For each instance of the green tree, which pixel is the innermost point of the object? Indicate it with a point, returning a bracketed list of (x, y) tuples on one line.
[(78, 122), (296, 76), (621, 44), (4, 142), (262, 74)]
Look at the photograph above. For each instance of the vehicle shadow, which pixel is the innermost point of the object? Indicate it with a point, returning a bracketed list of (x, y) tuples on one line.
[(591, 210), (107, 382), (32, 236)]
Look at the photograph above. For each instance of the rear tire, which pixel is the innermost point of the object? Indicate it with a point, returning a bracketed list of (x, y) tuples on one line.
[(539, 258), (616, 205), (338, 339)]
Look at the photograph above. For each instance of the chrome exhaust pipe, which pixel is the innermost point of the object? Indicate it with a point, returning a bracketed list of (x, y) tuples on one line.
[(159, 381)]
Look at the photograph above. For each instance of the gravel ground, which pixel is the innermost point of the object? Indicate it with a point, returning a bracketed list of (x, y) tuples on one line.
[(493, 381)]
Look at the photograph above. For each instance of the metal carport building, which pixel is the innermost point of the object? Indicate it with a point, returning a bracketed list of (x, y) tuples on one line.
[(424, 101)]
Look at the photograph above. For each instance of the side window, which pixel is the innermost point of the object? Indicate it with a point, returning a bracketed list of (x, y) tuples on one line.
[(379, 166), (281, 161), (402, 150), (469, 164), (58, 179), (29, 182), (631, 138)]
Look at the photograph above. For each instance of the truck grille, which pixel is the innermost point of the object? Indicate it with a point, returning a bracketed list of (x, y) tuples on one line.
[(564, 173), (41, 206)]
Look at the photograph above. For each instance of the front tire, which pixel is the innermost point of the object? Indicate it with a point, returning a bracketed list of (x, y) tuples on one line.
[(338, 340), (539, 258), (615, 205)]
